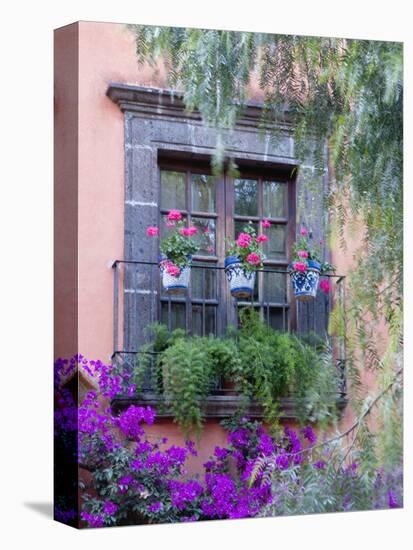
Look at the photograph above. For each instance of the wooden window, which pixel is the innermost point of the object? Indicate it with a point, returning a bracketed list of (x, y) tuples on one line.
[(197, 194), (220, 207)]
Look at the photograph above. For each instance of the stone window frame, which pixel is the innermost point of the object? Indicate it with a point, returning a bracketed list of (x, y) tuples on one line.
[(157, 124)]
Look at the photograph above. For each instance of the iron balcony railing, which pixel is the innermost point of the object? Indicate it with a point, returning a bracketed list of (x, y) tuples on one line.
[(207, 307)]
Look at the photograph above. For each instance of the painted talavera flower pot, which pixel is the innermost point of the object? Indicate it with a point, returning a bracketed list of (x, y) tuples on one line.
[(305, 283), (175, 284), (241, 281)]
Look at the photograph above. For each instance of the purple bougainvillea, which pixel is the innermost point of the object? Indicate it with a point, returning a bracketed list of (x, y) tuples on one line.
[(137, 479)]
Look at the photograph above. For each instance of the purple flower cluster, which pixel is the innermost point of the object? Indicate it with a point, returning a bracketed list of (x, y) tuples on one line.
[(93, 520), (282, 460), (109, 508), (239, 438), (265, 445), (388, 492), (294, 445), (309, 434), (184, 492), (112, 379), (190, 445), (65, 412), (221, 453), (222, 494), (225, 498), (130, 421), (391, 499), (124, 483), (65, 516), (159, 461), (155, 507), (176, 455), (95, 427)]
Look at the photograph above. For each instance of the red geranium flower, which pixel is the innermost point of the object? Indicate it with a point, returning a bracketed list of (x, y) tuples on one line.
[(174, 215), (300, 266), (325, 286), (253, 259)]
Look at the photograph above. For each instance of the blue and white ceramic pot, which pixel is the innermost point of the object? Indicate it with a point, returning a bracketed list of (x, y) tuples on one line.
[(240, 280), (305, 284), (175, 284)]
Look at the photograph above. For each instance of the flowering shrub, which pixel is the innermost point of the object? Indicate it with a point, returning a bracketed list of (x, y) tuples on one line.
[(133, 479), (179, 246), (136, 480), (247, 247), (152, 485)]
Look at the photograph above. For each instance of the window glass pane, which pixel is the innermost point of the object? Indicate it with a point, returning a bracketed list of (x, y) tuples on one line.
[(278, 319), (203, 193), (275, 247), (275, 287), (198, 327), (176, 316), (166, 231), (246, 197), (173, 190), (203, 283), (205, 237), (275, 199)]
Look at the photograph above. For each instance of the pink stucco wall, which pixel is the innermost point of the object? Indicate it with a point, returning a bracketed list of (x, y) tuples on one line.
[(344, 259), (107, 54)]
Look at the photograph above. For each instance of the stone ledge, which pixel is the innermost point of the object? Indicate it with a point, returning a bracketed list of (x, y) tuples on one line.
[(164, 102), (217, 406)]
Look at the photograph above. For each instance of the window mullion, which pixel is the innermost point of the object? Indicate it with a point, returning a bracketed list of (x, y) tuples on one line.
[(231, 311)]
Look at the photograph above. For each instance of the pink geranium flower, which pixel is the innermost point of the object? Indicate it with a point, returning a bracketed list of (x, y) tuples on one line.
[(325, 285), (262, 239), (189, 231), (303, 253), (172, 269), (266, 223), (244, 240), (174, 215), (303, 231), (253, 259), (299, 266), (152, 231)]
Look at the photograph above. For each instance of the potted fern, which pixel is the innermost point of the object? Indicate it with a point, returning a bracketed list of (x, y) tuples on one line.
[(306, 268), (243, 260), (177, 250)]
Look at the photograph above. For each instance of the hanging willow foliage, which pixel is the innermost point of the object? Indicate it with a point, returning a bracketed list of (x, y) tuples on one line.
[(345, 100)]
